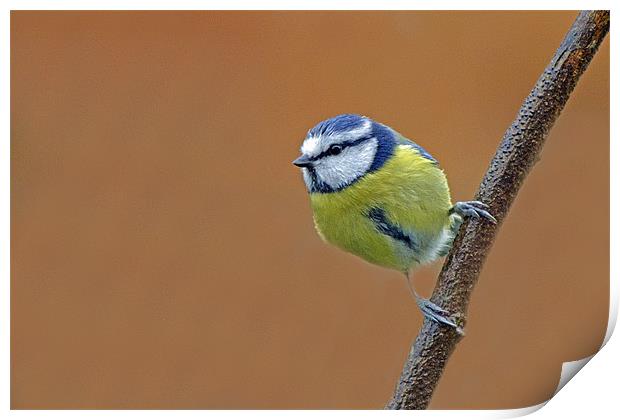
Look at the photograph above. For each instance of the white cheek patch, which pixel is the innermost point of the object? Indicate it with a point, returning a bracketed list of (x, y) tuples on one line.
[(307, 178), (352, 163), (313, 146)]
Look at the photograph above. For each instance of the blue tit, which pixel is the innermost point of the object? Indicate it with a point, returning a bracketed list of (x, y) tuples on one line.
[(382, 197)]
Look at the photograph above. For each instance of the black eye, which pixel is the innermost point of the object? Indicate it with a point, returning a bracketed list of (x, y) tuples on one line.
[(335, 149)]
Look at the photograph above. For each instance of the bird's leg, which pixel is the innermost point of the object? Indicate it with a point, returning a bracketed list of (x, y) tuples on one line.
[(461, 210), (431, 310), (475, 209)]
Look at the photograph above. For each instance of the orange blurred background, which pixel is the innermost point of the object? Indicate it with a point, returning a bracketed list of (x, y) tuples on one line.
[(163, 252)]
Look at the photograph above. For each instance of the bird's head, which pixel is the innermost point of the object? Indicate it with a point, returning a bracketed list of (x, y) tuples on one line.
[(340, 150)]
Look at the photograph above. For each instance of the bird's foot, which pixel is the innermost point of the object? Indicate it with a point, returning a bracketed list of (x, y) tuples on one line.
[(437, 314), (475, 209)]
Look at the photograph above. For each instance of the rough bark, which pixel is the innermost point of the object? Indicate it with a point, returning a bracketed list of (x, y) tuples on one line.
[(518, 151)]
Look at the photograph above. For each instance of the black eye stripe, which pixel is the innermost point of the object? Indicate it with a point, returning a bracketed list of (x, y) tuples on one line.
[(342, 145)]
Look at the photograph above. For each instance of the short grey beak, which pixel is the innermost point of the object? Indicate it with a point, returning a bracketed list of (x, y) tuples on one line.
[(302, 161)]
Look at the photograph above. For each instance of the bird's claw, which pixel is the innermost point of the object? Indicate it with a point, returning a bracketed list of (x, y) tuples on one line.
[(475, 209), (437, 314)]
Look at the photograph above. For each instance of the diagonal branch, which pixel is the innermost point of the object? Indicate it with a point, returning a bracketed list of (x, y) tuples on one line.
[(514, 159)]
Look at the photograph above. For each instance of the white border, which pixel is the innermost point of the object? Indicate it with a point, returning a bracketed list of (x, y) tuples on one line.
[(594, 393)]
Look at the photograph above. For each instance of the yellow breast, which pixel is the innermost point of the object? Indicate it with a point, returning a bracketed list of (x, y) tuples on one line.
[(414, 196)]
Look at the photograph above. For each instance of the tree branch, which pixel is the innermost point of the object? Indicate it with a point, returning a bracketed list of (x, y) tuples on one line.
[(518, 152)]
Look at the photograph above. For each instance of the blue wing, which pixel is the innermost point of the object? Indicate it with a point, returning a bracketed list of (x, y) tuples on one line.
[(401, 140)]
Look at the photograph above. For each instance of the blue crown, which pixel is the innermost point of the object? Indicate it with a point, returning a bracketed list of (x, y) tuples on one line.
[(337, 125)]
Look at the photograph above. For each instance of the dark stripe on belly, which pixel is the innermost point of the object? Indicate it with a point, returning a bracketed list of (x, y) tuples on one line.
[(383, 225)]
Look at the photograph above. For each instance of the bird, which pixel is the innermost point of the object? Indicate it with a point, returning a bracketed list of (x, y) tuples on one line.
[(380, 196)]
